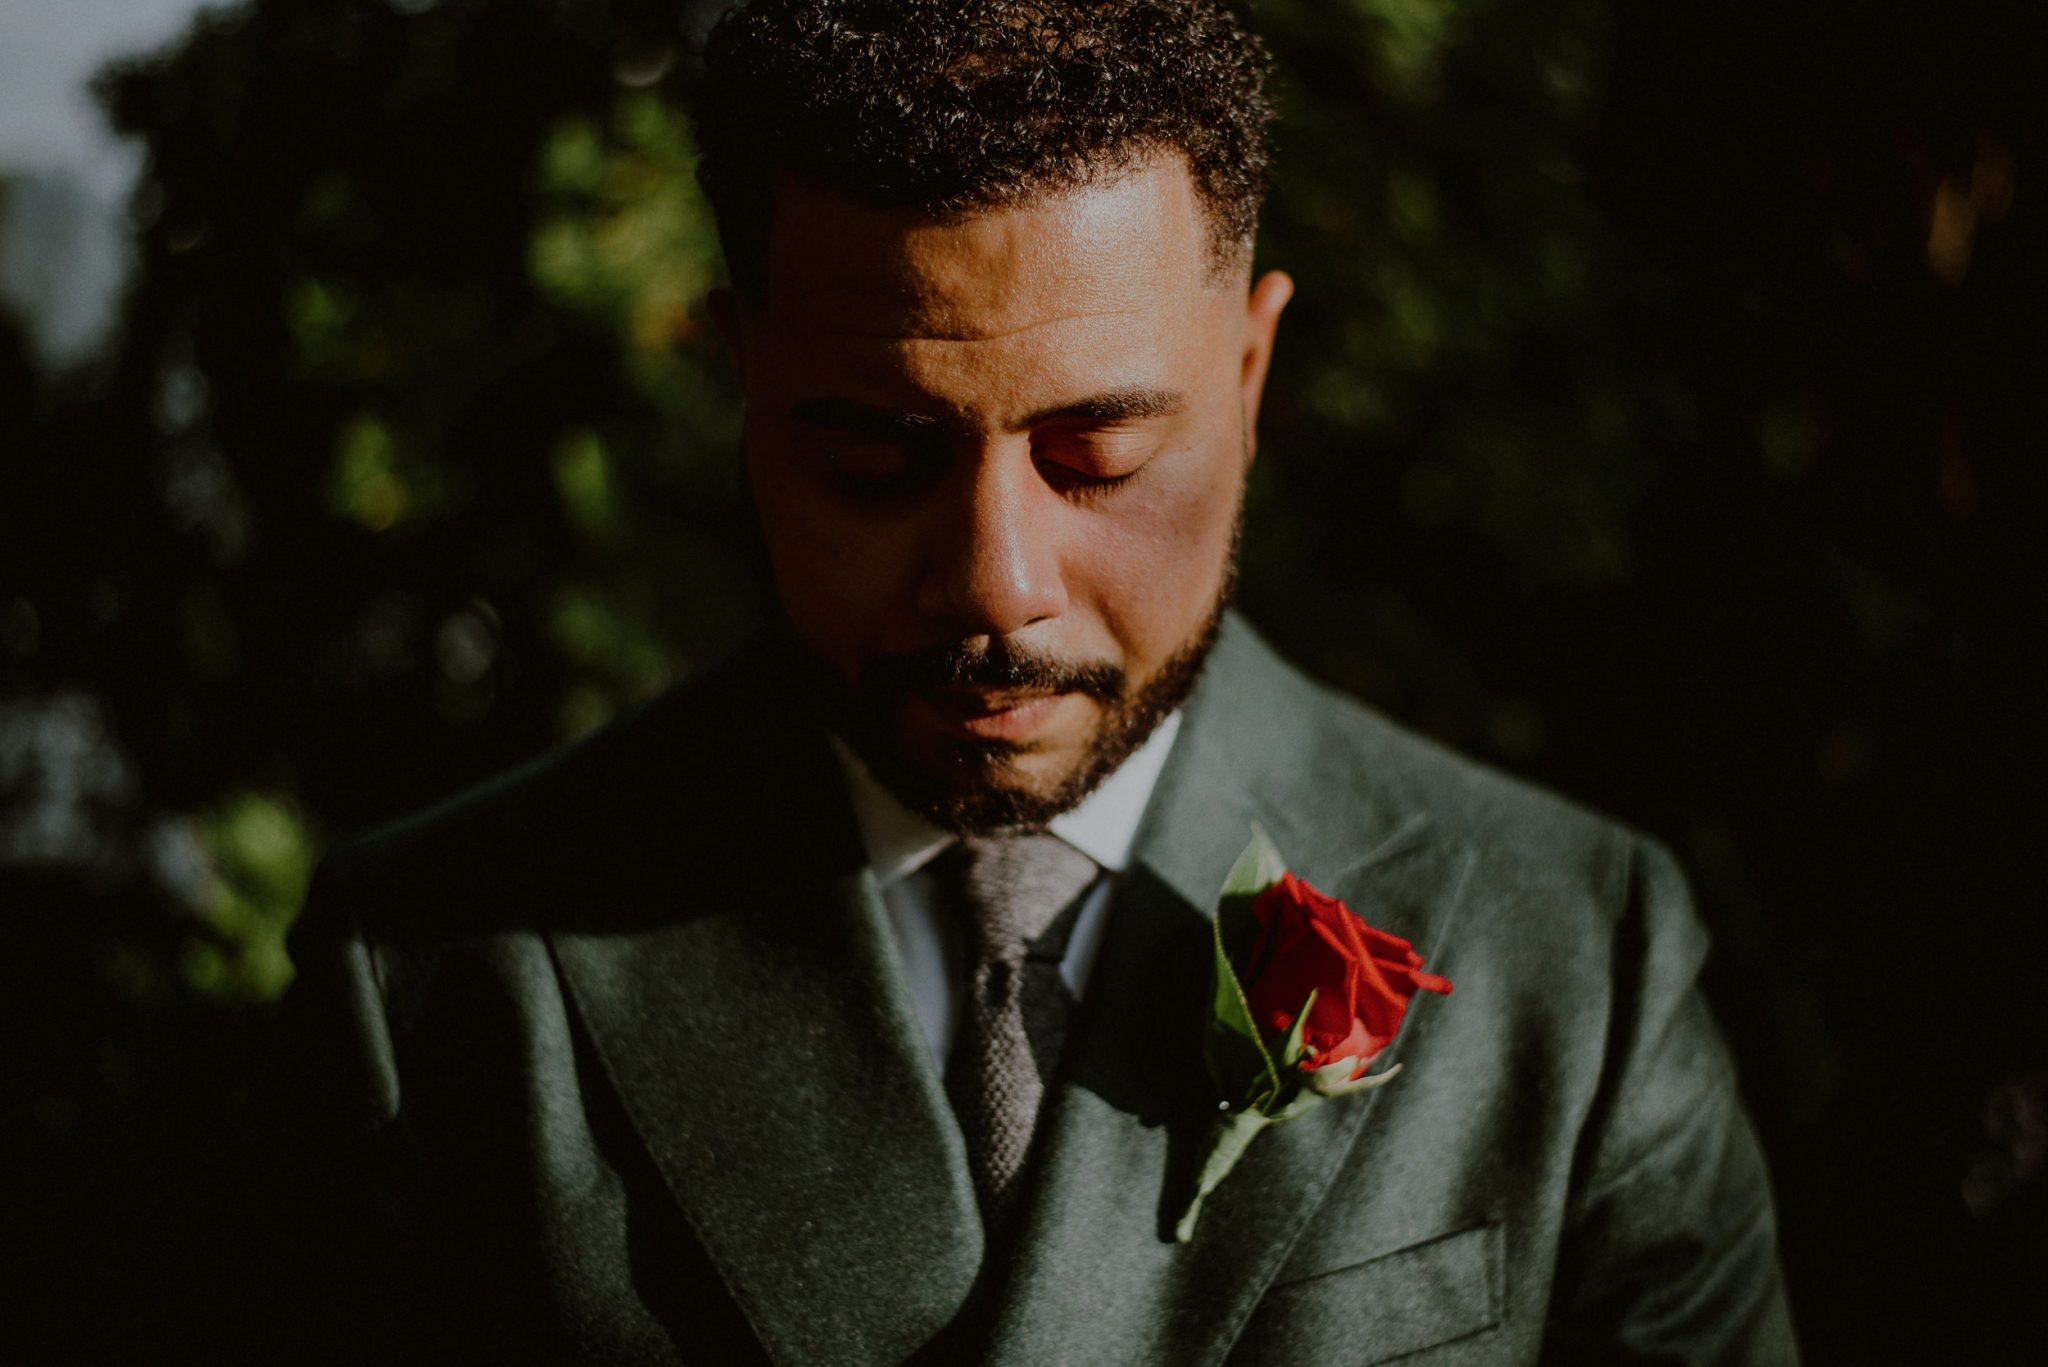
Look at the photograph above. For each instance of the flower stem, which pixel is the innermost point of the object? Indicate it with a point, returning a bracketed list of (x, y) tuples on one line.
[(1227, 1141)]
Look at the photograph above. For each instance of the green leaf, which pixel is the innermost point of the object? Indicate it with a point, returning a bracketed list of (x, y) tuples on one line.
[(1237, 1049), (1236, 1052), (1258, 868), (1335, 1079), (1290, 1049)]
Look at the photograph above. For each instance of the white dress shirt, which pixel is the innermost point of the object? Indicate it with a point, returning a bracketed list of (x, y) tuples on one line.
[(901, 846)]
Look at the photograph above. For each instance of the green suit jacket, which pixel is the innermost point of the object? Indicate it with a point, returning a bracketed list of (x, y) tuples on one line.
[(612, 1061)]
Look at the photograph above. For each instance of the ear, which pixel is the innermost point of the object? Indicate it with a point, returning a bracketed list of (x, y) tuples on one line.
[(724, 304), (1262, 319)]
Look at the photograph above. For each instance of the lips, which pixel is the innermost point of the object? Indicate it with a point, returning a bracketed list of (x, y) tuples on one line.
[(992, 714)]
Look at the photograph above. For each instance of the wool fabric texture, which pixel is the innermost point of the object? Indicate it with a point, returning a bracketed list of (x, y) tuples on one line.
[(1018, 893)]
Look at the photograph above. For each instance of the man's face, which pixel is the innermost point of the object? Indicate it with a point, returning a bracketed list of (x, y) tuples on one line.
[(999, 464)]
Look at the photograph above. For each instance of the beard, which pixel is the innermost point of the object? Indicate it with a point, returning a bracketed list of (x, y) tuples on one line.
[(975, 787)]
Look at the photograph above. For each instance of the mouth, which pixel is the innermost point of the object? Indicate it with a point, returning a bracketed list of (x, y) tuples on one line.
[(991, 713)]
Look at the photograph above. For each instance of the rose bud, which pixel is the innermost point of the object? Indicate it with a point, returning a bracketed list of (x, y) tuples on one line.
[(1362, 978)]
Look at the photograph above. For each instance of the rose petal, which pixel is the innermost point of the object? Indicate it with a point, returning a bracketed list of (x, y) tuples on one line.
[(1363, 977)]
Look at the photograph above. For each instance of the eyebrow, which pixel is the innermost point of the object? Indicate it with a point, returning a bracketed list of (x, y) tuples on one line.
[(1130, 404), (1116, 405)]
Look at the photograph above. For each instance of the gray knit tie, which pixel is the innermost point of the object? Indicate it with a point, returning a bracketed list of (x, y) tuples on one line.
[(1022, 894)]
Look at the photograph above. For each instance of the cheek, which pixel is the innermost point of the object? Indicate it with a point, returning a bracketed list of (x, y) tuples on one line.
[(838, 573), (1158, 565)]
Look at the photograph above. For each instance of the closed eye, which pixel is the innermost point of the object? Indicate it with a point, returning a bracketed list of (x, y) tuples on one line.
[(1068, 480), (869, 454), (878, 472), (1095, 458)]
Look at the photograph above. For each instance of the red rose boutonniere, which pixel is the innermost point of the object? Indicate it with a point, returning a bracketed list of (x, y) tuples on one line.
[(1307, 997)]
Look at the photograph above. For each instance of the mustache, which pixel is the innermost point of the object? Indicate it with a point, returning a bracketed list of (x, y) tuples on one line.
[(988, 663)]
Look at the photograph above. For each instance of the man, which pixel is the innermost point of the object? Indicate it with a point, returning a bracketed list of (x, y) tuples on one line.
[(844, 1005)]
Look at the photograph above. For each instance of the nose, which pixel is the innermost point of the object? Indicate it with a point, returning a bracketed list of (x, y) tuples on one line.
[(995, 564)]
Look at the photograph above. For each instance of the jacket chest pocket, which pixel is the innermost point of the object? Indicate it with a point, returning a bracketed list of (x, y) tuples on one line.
[(1436, 1292)]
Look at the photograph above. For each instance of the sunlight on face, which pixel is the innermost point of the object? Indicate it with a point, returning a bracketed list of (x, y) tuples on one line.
[(999, 463)]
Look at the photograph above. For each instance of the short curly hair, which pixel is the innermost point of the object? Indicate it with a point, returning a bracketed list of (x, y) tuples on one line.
[(952, 106)]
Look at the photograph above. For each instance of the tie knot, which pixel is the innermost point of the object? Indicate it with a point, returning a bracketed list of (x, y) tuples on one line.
[(1016, 886)]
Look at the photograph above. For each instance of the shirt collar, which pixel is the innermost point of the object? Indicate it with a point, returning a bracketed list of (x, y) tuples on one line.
[(1104, 826)]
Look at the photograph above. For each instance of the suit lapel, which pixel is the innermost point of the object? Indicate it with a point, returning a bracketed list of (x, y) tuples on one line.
[(750, 1013), (1098, 1276)]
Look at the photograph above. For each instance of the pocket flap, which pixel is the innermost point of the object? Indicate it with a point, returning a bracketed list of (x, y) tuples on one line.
[(1397, 1303)]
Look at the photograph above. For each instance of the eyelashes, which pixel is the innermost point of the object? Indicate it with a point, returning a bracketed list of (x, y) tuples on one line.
[(1071, 481)]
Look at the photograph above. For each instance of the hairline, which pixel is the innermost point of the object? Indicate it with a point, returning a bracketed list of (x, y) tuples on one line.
[(1228, 256)]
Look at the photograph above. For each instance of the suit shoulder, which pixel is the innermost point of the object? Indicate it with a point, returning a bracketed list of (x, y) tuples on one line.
[(1521, 830), (1467, 798), (529, 833)]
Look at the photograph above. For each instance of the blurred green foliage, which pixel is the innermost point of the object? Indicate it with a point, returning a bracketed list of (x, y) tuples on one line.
[(1657, 416), (262, 860)]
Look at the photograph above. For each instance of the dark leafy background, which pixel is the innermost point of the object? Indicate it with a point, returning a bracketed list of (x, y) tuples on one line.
[(1660, 417)]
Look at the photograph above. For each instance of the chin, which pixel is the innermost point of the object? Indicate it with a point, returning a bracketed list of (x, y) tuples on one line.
[(972, 787), (974, 784)]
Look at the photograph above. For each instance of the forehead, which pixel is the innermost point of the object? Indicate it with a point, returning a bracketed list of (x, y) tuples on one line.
[(1130, 247)]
